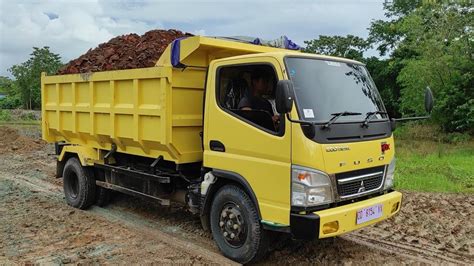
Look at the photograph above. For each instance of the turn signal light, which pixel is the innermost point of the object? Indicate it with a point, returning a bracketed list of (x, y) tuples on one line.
[(303, 175), (330, 227)]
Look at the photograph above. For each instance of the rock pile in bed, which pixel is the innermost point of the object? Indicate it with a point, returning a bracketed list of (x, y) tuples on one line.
[(124, 52)]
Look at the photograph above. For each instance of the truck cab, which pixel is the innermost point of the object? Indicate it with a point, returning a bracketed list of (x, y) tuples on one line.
[(308, 174)]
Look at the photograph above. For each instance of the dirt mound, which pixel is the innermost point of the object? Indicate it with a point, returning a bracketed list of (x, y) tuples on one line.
[(12, 141), (124, 52)]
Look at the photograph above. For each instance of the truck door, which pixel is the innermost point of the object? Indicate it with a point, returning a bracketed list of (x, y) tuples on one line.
[(246, 141)]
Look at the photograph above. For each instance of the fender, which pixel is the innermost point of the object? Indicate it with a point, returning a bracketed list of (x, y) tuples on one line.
[(227, 176), (87, 155)]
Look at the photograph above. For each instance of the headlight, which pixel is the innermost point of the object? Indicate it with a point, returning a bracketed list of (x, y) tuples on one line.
[(390, 174), (310, 187)]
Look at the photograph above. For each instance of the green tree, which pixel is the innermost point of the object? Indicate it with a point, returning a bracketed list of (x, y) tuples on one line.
[(440, 37), (8, 87), (28, 75), (431, 43), (386, 34), (349, 46)]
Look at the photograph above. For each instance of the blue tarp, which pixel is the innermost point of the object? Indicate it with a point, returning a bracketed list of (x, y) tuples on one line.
[(175, 48)]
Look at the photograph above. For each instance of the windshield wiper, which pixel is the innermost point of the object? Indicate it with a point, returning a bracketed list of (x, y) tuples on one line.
[(336, 116), (369, 116)]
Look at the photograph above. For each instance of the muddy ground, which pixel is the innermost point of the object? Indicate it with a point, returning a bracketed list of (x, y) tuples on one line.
[(36, 225)]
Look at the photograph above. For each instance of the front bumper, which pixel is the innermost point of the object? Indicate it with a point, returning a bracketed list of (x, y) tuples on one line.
[(339, 220)]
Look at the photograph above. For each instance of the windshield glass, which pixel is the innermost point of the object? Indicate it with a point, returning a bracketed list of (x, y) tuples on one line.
[(326, 87)]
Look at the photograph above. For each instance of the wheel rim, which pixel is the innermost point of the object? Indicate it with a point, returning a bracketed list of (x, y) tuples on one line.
[(232, 225), (73, 185)]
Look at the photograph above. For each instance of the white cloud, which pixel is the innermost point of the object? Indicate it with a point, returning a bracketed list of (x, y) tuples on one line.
[(72, 27), (201, 32)]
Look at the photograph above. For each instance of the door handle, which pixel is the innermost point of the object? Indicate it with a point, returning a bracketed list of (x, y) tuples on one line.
[(217, 146)]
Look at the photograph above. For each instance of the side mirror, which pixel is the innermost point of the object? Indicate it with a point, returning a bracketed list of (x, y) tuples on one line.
[(428, 107), (284, 96), (428, 100)]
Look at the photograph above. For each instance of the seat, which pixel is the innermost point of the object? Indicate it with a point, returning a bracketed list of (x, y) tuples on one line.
[(234, 91)]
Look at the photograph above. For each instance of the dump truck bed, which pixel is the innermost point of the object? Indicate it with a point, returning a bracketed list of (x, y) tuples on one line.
[(140, 110)]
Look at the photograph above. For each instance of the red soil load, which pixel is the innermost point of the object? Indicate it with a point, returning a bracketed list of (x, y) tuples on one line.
[(124, 52)]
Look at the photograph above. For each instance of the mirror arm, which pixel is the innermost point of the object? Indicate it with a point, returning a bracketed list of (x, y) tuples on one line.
[(411, 118), (299, 121)]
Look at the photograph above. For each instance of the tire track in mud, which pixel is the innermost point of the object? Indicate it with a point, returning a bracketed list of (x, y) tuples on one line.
[(129, 220), (148, 228), (423, 254)]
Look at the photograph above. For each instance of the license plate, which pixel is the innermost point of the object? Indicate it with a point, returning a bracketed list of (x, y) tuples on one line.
[(369, 213)]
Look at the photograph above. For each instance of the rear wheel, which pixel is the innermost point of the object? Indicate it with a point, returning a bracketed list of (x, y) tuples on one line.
[(79, 184), (236, 227)]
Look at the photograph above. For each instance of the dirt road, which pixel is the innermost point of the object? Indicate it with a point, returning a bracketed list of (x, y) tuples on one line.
[(37, 226)]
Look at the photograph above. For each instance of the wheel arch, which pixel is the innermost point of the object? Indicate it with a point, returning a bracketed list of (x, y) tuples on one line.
[(86, 155), (60, 164), (223, 178)]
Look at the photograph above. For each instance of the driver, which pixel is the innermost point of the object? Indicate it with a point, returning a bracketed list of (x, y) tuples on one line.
[(254, 99)]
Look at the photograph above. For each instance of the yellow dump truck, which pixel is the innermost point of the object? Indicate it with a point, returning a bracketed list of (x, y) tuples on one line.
[(254, 139)]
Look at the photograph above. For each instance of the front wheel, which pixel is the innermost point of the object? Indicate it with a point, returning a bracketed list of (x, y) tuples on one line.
[(236, 227)]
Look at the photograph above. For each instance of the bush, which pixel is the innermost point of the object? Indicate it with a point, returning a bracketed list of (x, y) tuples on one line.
[(418, 131), (429, 132), (5, 115), (10, 102), (456, 138), (28, 116)]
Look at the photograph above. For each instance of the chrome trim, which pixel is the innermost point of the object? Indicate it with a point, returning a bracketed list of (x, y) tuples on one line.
[(368, 191), (335, 193), (361, 194), (359, 177)]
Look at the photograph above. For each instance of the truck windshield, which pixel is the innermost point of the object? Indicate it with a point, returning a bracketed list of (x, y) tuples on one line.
[(325, 87)]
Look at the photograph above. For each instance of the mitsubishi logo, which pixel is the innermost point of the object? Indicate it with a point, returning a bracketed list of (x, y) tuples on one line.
[(362, 187)]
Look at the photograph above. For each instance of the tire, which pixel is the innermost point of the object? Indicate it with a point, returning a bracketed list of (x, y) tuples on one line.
[(79, 184), (232, 206), (103, 196)]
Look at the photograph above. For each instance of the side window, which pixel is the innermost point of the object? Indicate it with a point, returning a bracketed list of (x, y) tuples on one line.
[(248, 92)]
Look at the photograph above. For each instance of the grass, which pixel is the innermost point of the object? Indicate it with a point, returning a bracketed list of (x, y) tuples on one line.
[(434, 164), (20, 122)]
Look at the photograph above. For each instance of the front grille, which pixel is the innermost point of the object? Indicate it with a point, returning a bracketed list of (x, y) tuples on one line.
[(359, 181)]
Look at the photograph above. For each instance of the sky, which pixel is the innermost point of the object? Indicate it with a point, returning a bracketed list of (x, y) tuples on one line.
[(71, 27)]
